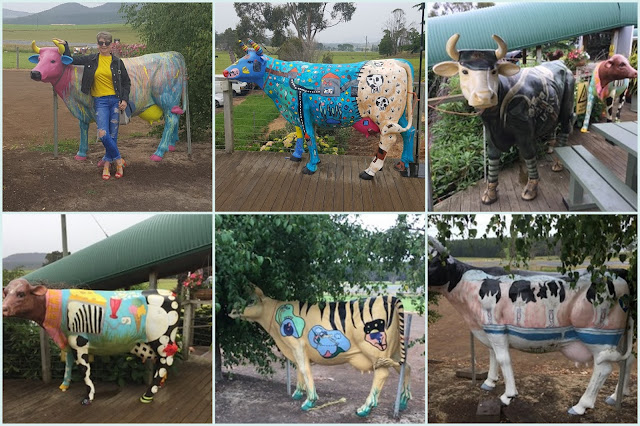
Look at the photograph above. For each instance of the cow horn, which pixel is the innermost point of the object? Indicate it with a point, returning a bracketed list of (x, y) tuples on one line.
[(501, 51), (451, 47), (34, 47), (245, 48), (255, 46), (60, 46)]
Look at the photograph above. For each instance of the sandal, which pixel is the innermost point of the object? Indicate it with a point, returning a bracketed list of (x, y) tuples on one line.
[(106, 173), (119, 168)]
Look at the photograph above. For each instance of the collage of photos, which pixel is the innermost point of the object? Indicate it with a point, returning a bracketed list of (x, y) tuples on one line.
[(219, 212)]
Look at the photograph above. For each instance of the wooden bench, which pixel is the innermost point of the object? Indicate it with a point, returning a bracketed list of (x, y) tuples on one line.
[(592, 184)]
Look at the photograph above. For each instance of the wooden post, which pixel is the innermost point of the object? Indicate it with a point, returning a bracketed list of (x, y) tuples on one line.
[(407, 331), (187, 331), (288, 377), (188, 118), (17, 58), (227, 95), (153, 279), (45, 356), (473, 361), (538, 55), (55, 124)]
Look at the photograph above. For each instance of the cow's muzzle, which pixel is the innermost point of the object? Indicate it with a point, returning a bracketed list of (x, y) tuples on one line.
[(225, 73), (35, 75)]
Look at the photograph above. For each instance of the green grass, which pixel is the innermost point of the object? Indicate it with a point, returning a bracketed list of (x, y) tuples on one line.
[(223, 60), (256, 107), (70, 33), (65, 146)]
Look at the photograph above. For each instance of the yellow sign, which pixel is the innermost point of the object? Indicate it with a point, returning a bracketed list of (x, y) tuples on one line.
[(581, 98)]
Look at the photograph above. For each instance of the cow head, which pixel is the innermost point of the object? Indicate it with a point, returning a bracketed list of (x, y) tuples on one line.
[(251, 67), (50, 61), (439, 267), (254, 310), (22, 300), (479, 71), (616, 67)]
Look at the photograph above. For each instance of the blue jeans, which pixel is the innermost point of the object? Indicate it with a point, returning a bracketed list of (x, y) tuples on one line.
[(108, 121)]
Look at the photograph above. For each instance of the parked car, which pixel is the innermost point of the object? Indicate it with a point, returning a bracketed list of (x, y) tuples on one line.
[(219, 99), (238, 87)]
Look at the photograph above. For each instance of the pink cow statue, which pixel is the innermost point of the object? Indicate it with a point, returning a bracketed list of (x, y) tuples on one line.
[(538, 312), (158, 82), (609, 82)]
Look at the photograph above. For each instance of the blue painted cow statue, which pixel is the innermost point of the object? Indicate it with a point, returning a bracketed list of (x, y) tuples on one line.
[(86, 322), (517, 107), (372, 96)]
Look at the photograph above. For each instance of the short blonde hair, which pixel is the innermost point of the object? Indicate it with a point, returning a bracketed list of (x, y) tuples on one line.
[(104, 35)]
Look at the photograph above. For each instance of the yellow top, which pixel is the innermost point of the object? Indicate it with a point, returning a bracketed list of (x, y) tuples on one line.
[(103, 82)]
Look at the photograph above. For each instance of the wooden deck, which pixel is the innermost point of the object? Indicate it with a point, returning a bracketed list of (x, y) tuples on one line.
[(552, 187), (185, 398), (267, 182)]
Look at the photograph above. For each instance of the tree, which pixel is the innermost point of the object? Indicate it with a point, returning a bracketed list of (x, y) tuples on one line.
[(439, 9), (301, 257), (52, 257), (10, 275), (305, 19), (185, 28), (396, 25), (596, 238), (386, 44)]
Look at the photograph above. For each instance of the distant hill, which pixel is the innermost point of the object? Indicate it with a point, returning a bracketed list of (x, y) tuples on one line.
[(28, 261), (8, 13), (71, 14)]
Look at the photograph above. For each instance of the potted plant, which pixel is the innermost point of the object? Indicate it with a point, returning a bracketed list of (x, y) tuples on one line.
[(575, 59), (199, 287)]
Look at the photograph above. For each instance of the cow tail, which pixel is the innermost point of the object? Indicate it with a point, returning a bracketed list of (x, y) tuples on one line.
[(409, 70), (400, 310)]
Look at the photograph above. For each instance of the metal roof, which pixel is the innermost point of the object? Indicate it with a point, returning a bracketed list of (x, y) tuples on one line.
[(524, 25), (168, 244)]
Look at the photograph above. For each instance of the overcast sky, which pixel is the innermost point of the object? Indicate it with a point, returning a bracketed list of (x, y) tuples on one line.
[(34, 7), (368, 20)]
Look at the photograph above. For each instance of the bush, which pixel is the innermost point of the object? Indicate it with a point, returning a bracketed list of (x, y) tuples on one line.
[(327, 58)]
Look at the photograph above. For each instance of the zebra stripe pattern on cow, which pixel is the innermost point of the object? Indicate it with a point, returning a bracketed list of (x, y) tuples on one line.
[(85, 318)]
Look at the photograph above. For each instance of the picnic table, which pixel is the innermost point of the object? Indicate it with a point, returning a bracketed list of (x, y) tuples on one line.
[(625, 135)]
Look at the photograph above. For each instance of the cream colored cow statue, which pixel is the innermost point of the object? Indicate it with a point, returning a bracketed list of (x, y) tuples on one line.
[(366, 333)]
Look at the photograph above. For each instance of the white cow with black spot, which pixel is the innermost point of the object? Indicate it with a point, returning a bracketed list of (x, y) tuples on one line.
[(84, 322)]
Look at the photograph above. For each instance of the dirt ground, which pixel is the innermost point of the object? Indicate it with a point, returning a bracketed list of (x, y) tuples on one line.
[(548, 384), (268, 401), (35, 181)]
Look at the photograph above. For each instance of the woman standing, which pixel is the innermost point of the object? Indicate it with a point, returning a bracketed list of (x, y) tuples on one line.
[(105, 78)]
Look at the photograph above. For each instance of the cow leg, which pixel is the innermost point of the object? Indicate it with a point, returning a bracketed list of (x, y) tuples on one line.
[(84, 141), (159, 376), (609, 108), (566, 117), (304, 370), (68, 366), (530, 190), (170, 126), (408, 138), (307, 126), (80, 346), (621, 101), (500, 345), (299, 150), (491, 193), (600, 373), (379, 377), (591, 93), (386, 141), (492, 377), (611, 400), (300, 387)]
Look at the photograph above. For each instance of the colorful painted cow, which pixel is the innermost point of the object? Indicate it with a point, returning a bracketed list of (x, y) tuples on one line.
[(158, 81), (366, 333), (83, 322), (609, 81), (372, 96), (538, 312), (518, 107)]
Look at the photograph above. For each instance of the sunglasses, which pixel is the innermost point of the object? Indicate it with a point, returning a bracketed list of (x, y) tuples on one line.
[(104, 43)]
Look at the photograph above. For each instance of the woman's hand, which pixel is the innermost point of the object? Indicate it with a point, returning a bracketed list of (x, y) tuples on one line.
[(122, 105)]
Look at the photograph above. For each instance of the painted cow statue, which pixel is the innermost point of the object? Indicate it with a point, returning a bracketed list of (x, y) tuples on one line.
[(366, 333), (372, 96), (538, 312), (609, 81), (84, 322), (518, 107), (158, 82)]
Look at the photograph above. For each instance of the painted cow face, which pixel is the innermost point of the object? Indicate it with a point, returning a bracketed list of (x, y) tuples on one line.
[(50, 61), (617, 67), (250, 68), (479, 71), (382, 103), (254, 310), (374, 81)]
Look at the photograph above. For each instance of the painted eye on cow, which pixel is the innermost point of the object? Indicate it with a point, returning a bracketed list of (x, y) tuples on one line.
[(493, 72), (465, 72), (53, 61), (20, 294)]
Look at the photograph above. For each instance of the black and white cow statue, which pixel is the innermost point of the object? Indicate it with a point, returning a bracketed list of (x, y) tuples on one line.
[(518, 107), (538, 312)]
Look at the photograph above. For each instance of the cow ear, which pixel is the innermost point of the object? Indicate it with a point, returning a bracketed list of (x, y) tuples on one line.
[(39, 290), (67, 59), (258, 292), (446, 69), (508, 69), (34, 58)]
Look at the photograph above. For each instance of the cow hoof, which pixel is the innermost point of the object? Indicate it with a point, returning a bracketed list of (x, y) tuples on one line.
[(63, 387), (363, 411), (295, 159), (610, 401), (80, 158), (306, 171), (172, 148), (583, 130), (86, 401), (308, 405), (297, 395), (156, 158), (365, 176), (557, 167), (531, 190), (487, 387), (573, 412), (146, 399)]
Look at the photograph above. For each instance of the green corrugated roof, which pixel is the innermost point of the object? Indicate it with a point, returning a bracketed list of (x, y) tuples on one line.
[(168, 244), (524, 25)]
